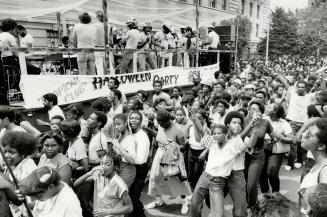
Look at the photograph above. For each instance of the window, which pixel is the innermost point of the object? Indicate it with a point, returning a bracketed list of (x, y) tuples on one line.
[(257, 31), (251, 9), (213, 3), (258, 11), (242, 7), (224, 4), (197, 2)]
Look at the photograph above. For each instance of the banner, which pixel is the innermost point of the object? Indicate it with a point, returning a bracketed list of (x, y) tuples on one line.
[(76, 88)]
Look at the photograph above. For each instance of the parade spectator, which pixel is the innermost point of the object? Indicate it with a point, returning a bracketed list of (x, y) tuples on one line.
[(142, 155), (176, 96), (276, 151), (158, 93), (113, 84), (52, 196), (124, 145), (50, 102), (53, 157), (163, 181), (117, 107), (85, 36), (98, 146), (110, 196), (17, 148), (217, 172)]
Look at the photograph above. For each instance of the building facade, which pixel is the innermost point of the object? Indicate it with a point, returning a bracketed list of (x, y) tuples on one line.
[(256, 10)]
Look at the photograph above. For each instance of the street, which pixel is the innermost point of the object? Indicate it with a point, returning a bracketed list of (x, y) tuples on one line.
[(172, 207)]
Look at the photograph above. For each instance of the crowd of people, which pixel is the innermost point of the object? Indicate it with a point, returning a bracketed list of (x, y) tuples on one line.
[(89, 34), (224, 136)]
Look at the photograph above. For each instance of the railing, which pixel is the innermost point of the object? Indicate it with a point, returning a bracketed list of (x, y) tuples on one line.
[(162, 57)]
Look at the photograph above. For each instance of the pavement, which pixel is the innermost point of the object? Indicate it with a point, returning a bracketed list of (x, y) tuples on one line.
[(290, 181)]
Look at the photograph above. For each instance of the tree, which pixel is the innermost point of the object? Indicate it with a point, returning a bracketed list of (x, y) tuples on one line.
[(244, 29), (283, 37)]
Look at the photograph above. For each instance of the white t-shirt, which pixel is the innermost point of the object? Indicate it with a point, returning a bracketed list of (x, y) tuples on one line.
[(166, 40), (132, 38), (100, 34), (28, 39), (56, 110), (77, 151), (142, 147), (64, 204), (226, 154), (297, 108), (7, 40), (85, 35), (129, 145), (97, 143), (214, 39)]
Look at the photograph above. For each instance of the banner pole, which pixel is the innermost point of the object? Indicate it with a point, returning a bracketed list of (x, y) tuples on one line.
[(29, 212), (106, 38)]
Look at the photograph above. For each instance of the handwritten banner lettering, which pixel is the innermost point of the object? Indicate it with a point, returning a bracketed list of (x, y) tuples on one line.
[(72, 88)]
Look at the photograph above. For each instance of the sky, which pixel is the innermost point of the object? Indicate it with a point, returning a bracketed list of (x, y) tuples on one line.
[(288, 4)]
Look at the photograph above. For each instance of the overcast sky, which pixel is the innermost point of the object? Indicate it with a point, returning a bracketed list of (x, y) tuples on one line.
[(291, 4)]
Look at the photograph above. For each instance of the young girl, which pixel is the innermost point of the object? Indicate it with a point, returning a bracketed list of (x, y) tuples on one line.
[(125, 146), (196, 165), (110, 191), (17, 147)]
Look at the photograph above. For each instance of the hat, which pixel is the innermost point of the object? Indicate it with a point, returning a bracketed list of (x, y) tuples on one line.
[(208, 83), (238, 81), (182, 27), (249, 86), (211, 27), (131, 20)]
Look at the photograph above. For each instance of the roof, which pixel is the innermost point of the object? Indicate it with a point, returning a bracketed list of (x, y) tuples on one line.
[(156, 12)]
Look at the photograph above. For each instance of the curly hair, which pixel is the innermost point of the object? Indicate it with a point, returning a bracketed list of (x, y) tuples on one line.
[(231, 115), (260, 105), (23, 142)]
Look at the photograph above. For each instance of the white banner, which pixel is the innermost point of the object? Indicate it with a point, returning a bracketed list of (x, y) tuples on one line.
[(73, 88)]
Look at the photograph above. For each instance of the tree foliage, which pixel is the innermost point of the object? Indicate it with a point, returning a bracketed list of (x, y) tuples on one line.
[(283, 37)]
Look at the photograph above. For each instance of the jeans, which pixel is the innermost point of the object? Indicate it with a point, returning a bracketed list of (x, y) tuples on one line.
[(127, 173), (296, 149), (86, 63), (146, 57), (236, 187), (195, 166), (136, 190), (126, 62), (212, 57), (270, 172), (215, 187), (99, 63), (253, 167)]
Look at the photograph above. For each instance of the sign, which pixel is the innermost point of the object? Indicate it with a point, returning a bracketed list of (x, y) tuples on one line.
[(77, 88)]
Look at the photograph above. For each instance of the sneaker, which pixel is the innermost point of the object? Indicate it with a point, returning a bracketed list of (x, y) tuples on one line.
[(288, 168), (184, 209), (297, 165), (154, 204)]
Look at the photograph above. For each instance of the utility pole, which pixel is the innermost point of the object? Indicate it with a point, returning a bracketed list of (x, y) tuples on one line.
[(267, 43)]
